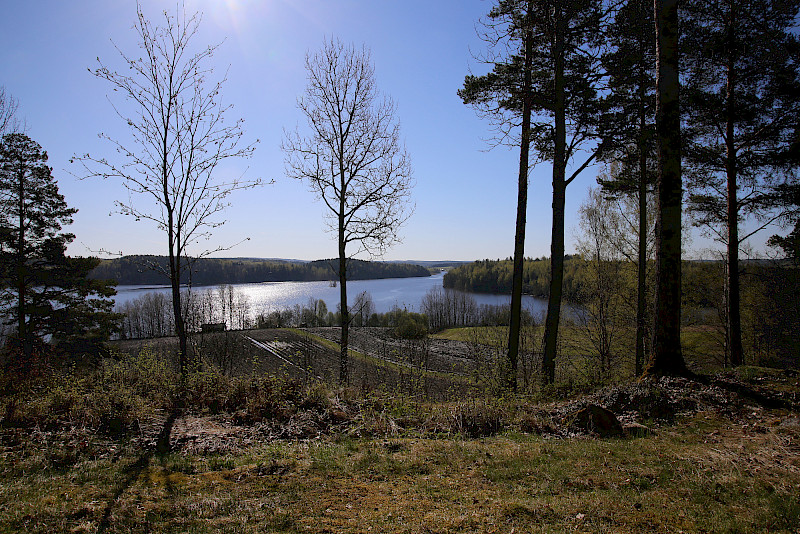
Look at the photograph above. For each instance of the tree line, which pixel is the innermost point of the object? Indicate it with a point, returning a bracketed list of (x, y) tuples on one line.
[(496, 276), (149, 315), (605, 290), (145, 270)]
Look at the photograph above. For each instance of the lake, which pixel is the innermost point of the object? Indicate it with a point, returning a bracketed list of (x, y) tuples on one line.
[(386, 294)]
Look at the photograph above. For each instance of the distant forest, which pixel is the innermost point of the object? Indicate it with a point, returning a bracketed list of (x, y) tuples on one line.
[(702, 281), (494, 276), (146, 270), (607, 291)]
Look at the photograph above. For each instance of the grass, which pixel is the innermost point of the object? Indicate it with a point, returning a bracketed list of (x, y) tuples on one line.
[(375, 461), (702, 475), (700, 344)]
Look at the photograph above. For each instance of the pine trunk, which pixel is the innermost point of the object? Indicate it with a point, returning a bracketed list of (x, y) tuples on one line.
[(641, 265), (22, 331), (522, 208), (734, 327), (666, 357), (557, 235)]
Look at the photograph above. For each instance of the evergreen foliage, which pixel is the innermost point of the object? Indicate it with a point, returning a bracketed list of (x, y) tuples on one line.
[(562, 71), (44, 293), (742, 82), (628, 130), (494, 276)]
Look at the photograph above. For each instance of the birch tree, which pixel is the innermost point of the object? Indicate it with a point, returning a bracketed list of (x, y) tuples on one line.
[(352, 158), (180, 134)]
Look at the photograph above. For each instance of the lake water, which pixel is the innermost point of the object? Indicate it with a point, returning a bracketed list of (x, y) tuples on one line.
[(386, 294)]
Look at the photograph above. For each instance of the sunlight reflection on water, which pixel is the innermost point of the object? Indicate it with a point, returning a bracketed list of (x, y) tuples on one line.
[(386, 294)]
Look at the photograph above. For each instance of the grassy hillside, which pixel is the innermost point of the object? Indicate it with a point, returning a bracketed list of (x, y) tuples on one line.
[(119, 448)]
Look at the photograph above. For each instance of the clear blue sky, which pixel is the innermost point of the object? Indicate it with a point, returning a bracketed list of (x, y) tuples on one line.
[(465, 195)]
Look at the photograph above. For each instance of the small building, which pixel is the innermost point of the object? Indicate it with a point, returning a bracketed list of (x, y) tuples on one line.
[(213, 327)]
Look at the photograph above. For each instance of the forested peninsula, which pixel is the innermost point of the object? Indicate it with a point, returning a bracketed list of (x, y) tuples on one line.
[(146, 270), (494, 276), (702, 281)]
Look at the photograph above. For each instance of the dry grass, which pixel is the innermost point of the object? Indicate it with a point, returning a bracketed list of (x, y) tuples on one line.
[(704, 474), (275, 455)]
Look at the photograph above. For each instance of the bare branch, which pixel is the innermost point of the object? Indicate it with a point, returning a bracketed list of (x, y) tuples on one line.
[(352, 158), (9, 123), (179, 136)]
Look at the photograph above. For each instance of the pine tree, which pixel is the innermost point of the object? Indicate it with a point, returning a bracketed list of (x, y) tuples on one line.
[(43, 293), (514, 16), (666, 357), (628, 130), (564, 71), (742, 85)]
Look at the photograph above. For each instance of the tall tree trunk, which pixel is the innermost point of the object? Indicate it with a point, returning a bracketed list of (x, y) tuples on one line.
[(522, 209), (734, 327), (666, 357), (641, 265), (344, 370), (559, 194), (22, 330)]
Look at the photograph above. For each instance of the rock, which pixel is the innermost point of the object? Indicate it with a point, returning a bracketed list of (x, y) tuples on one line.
[(791, 422), (595, 419), (636, 430)]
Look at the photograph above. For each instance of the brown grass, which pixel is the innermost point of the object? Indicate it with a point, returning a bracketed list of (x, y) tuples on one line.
[(275, 455), (704, 474)]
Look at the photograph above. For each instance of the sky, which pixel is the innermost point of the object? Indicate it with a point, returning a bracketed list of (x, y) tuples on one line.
[(465, 193)]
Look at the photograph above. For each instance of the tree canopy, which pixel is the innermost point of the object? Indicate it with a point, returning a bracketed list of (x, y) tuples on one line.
[(43, 293)]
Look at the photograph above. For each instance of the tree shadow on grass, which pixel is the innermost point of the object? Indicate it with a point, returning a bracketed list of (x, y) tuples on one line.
[(133, 471)]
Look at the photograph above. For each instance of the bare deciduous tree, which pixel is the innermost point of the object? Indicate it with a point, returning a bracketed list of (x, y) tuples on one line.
[(352, 159), (363, 308), (8, 112), (179, 136), (610, 246)]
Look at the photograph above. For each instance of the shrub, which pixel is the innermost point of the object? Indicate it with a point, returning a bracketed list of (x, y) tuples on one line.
[(209, 390), (475, 418), (411, 326)]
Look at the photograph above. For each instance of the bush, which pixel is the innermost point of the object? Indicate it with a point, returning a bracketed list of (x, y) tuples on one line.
[(411, 326), (110, 399)]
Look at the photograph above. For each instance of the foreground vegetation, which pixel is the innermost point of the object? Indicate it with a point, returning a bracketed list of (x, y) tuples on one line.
[(699, 475), (121, 447)]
